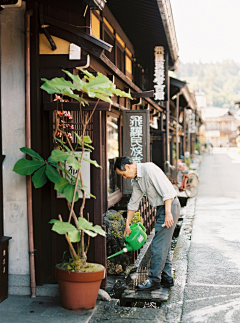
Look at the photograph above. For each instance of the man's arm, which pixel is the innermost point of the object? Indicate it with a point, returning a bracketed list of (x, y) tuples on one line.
[(127, 230), (168, 213)]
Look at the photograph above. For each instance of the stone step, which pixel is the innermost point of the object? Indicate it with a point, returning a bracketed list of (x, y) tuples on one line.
[(158, 295)]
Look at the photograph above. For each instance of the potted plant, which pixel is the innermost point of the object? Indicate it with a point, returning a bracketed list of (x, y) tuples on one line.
[(78, 280)]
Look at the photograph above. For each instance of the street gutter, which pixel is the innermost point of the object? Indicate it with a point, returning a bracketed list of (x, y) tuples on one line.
[(173, 307)]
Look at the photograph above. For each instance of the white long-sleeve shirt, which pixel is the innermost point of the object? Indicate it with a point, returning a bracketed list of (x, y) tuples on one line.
[(152, 182)]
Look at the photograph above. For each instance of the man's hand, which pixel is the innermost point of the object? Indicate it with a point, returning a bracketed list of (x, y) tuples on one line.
[(127, 231), (169, 219)]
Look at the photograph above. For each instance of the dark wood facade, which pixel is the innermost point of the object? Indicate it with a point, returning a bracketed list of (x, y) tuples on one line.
[(66, 21)]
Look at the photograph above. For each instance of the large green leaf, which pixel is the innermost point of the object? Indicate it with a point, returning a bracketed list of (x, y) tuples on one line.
[(69, 92), (74, 236), (87, 139), (53, 174), (73, 162), (52, 162), (122, 93), (90, 93), (99, 230), (57, 84), (94, 162), (27, 167), (31, 153), (59, 186), (75, 78), (89, 76), (100, 81), (103, 91), (88, 227), (62, 227), (39, 178), (58, 155), (103, 97), (68, 192), (46, 87)]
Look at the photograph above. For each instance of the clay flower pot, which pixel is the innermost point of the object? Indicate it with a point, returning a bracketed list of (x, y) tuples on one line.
[(79, 290)]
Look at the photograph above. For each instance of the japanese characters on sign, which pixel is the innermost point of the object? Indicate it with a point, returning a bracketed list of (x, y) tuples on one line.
[(159, 73), (85, 176), (192, 124), (135, 139)]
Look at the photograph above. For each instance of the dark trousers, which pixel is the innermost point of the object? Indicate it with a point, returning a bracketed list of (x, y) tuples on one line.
[(161, 244)]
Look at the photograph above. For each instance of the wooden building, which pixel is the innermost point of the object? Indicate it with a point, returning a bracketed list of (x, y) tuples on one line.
[(132, 43)]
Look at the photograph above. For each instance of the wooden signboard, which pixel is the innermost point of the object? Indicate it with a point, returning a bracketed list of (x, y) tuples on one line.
[(136, 140)]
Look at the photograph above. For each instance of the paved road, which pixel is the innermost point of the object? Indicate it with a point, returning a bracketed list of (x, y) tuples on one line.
[(212, 292)]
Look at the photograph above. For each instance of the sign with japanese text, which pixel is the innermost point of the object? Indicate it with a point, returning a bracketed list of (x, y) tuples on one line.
[(192, 125), (85, 176), (135, 139), (159, 73)]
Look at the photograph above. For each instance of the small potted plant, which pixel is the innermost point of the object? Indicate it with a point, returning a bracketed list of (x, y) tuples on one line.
[(79, 281)]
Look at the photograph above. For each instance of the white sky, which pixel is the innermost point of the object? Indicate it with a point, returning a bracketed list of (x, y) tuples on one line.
[(207, 30)]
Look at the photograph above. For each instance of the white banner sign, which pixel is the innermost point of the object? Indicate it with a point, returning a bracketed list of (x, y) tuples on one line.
[(159, 73)]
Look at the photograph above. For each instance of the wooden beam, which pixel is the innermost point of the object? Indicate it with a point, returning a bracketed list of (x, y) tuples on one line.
[(74, 30), (144, 94), (62, 61), (75, 106), (129, 83)]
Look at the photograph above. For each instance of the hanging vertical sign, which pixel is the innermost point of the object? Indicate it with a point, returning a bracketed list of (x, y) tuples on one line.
[(159, 73), (135, 139), (192, 124)]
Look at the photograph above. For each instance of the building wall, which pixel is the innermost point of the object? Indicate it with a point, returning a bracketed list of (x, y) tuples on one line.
[(13, 137)]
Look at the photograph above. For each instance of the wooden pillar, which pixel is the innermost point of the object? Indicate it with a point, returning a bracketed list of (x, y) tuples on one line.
[(167, 106), (184, 130), (177, 136), (99, 188), (162, 159), (171, 149), (189, 139), (1, 161)]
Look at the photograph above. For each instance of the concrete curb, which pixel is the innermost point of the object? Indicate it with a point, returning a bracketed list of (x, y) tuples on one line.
[(173, 308)]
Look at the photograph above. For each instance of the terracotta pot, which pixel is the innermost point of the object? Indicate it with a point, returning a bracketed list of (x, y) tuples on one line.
[(79, 291)]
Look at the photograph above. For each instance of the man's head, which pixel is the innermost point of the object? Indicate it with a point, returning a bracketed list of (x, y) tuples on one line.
[(125, 167)]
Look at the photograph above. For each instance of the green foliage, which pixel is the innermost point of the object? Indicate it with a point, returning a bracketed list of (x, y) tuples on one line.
[(54, 168), (136, 218), (74, 233), (219, 81), (52, 174), (88, 227), (99, 87), (115, 217), (27, 167), (39, 178)]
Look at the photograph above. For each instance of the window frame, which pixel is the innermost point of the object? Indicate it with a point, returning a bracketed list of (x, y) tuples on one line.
[(116, 196)]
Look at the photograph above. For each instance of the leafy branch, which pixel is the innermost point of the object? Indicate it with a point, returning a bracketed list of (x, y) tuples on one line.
[(54, 168)]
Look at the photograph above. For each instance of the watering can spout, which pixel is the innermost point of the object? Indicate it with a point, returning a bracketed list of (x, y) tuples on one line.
[(135, 240), (118, 253)]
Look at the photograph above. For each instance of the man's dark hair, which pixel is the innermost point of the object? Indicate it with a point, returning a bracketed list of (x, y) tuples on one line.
[(121, 162)]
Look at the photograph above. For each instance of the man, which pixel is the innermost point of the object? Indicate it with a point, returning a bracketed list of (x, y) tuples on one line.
[(149, 180)]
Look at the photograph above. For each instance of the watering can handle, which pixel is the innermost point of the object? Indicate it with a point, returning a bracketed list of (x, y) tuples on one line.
[(141, 225)]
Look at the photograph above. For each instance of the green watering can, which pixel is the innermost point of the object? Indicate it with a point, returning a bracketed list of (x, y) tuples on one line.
[(135, 240)]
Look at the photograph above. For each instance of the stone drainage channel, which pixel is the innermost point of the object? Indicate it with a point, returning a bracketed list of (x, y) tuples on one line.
[(122, 287)]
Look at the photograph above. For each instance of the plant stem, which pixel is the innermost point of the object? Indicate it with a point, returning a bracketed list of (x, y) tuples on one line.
[(72, 250)]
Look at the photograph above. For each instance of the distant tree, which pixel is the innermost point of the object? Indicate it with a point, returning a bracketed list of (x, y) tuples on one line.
[(219, 81)]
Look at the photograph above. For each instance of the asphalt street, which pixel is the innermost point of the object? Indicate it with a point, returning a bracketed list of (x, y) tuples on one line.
[(212, 290)]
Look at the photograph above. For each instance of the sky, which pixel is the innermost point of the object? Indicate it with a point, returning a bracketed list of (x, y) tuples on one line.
[(207, 30)]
